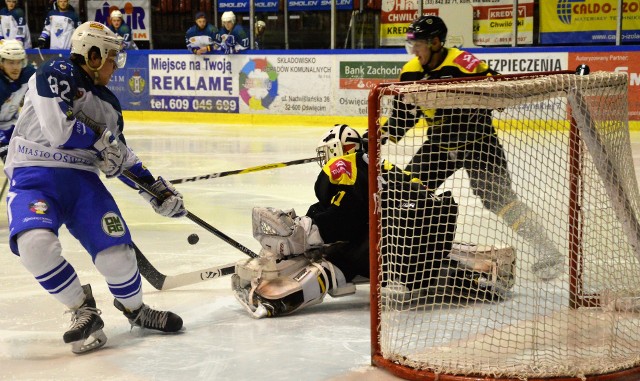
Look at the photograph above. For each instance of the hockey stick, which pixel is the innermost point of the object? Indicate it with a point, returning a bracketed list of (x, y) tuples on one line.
[(163, 282), (193, 217), (4, 186), (245, 170)]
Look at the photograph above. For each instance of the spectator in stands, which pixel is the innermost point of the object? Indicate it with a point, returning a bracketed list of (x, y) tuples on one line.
[(13, 24), (119, 27), (201, 38), (59, 25), (258, 39), (233, 38)]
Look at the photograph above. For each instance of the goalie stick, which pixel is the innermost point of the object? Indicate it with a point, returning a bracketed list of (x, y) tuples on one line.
[(193, 217), (163, 282), (245, 170)]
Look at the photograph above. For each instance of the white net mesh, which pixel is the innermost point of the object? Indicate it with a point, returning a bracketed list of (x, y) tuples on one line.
[(567, 204)]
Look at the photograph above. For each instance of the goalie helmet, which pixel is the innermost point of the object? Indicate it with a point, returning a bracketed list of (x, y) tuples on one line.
[(427, 27), (93, 34), (339, 141), (13, 50), (228, 17)]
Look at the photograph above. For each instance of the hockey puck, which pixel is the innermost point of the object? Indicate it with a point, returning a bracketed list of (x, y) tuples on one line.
[(193, 239)]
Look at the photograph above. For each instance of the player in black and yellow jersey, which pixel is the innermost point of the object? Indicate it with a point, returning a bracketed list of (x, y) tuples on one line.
[(464, 138)]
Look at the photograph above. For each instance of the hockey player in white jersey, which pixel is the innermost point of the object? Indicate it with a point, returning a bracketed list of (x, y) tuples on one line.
[(69, 130), (13, 24), (13, 86), (59, 26)]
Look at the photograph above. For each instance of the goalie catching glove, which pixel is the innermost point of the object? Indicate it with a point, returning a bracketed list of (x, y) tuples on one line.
[(283, 233), (110, 154), (171, 205)]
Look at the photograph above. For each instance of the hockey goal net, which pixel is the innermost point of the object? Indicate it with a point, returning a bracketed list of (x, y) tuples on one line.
[(573, 193)]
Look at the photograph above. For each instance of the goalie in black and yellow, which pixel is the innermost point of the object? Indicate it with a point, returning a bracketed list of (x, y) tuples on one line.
[(464, 138), (327, 250)]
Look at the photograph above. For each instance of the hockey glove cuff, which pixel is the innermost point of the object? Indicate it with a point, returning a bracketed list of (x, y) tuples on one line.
[(111, 156), (172, 205)]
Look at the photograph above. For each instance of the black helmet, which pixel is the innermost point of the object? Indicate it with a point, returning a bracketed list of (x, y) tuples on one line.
[(427, 27)]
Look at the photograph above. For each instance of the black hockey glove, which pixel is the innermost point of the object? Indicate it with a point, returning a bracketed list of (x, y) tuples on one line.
[(43, 43)]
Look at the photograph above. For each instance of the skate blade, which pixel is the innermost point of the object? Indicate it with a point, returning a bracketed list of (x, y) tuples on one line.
[(96, 340)]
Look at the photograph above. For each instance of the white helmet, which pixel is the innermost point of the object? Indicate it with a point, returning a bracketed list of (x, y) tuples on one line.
[(228, 16), (92, 34), (260, 24), (13, 50), (339, 141), (116, 14)]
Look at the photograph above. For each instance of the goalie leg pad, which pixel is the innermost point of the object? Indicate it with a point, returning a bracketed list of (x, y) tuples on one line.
[(292, 291), (496, 265)]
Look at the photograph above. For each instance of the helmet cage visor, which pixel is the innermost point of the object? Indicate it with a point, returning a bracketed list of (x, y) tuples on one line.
[(332, 148)]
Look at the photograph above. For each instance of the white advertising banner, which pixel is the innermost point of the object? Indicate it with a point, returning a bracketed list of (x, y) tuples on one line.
[(137, 16), (293, 84)]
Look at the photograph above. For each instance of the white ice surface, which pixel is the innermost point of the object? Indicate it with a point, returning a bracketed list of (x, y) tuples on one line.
[(329, 341)]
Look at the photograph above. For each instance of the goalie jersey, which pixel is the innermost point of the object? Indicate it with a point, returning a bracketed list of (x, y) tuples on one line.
[(342, 212)]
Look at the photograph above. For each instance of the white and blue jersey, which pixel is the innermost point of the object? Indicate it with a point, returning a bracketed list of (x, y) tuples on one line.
[(52, 164), (13, 26), (124, 31), (59, 27), (233, 42), (11, 97), (197, 38)]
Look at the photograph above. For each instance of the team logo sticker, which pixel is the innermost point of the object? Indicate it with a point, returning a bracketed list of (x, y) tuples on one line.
[(136, 82), (340, 168), (39, 206), (112, 225)]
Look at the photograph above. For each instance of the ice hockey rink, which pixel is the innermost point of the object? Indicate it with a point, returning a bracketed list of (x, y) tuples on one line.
[(330, 341), (221, 341)]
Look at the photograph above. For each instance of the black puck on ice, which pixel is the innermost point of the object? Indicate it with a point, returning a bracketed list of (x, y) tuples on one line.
[(193, 239)]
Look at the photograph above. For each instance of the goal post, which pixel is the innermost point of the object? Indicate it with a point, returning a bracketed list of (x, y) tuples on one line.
[(477, 304)]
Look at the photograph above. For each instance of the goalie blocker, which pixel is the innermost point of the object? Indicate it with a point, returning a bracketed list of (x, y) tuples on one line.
[(276, 284)]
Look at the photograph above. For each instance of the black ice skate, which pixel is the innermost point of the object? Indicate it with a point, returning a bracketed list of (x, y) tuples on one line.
[(147, 317), (85, 333)]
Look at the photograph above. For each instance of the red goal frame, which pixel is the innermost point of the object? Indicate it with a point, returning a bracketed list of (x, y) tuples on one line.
[(577, 299)]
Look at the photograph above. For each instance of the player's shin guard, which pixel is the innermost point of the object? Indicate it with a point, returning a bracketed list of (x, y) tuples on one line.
[(85, 333), (548, 262), (291, 292)]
